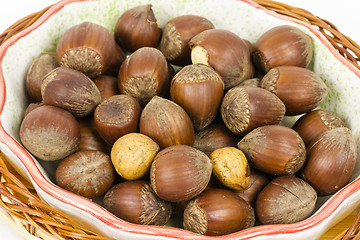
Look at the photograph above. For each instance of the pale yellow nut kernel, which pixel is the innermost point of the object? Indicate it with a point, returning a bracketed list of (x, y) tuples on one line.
[(132, 155), (231, 167)]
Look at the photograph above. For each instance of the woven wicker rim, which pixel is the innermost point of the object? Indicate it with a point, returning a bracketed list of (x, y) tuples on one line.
[(19, 199)]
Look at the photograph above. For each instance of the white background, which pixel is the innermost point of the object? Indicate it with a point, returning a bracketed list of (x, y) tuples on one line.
[(344, 14)]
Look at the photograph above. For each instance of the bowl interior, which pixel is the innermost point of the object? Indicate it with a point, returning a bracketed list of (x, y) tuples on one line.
[(240, 17)]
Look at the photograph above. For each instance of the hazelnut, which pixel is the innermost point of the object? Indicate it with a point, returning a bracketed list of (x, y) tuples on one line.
[(285, 199), (166, 123), (300, 89), (107, 86), (132, 155), (199, 90), (274, 149), (87, 173), (312, 124), (117, 116), (90, 138), (144, 74), (86, 47), (180, 172), (118, 58), (218, 212), (330, 161), (136, 202), (231, 168), (258, 181), (41, 66), (176, 35), (224, 51), (252, 82), (213, 137), (71, 90), (50, 133), (246, 108), (137, 27), (282, 46)]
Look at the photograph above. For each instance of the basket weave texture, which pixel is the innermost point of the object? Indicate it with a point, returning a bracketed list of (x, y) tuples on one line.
[(20, 201)]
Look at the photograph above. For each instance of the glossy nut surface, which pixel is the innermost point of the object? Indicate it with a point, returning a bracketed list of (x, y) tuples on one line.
[(180, 172), (107, 86), (50, 133), (274, 149), (217, 212)]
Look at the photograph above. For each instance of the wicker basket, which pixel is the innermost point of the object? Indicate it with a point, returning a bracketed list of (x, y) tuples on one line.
[(34, 219)]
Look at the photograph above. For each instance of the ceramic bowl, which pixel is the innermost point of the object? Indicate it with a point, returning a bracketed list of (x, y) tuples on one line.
[(244, 18)]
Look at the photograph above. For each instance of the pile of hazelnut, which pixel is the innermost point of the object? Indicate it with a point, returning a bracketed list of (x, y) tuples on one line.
[(185, 121)]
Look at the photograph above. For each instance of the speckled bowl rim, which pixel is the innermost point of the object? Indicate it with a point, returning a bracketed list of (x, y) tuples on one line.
[(98, 212)]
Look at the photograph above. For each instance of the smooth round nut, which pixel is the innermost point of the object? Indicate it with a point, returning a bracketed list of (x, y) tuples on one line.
[(132, 155), (286, 199), (231, 168), (107, 86), (180, 172), (217, 212), (50, 133), (87, 173), (274, 149), (136, 202)]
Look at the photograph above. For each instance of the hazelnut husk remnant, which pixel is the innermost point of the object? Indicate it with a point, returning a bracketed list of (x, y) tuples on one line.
[(132, 155), (144, 74), (231, 168), (274, 149), (86, 173), (246, 108), (312, 124), (136, 202), (86, 47), (300, 89), (217, 212), (180, 172), (41, 66), (213, 137), (285, 199), (137, 27), (71, 90), (282, 46), (199, 90), (50, 133), (330, 161), (224, 51), (117, 116), (166, 123), (176, 35)]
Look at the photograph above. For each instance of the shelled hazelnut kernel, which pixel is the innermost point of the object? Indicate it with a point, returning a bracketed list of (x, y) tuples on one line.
[(71, 90), (144, 74), (180, 172), (136, 202), (246, 108), (166, 123), (218, 212), (86, 47), (330, 161), (282, 46), (274, 149), (50, 133), (312, 124), (224, 51), (231, 168), (132, 155), (177, 33), (285, 199), (137, 27), (300, 89), (199, 90), (86, 173), (117, 116), (41, 66), (213, 137)]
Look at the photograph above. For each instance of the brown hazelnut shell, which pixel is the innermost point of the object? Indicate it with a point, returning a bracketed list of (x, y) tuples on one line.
[(107, 86)]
